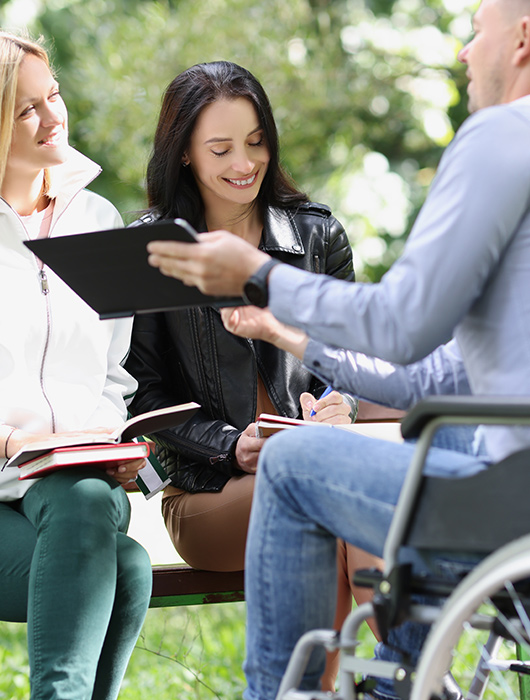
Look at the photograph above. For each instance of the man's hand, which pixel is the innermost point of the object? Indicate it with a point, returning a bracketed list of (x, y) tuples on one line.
[(219, 264), (248, 448), (252, 322), (330, 409)]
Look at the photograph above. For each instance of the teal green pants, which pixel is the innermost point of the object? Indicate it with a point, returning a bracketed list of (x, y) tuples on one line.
[(68, 569)]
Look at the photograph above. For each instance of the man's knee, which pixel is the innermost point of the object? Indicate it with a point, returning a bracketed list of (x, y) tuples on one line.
[(288, 454), (297, 453)]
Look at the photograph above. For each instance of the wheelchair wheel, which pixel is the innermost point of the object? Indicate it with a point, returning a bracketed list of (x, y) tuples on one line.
[(483, 633)]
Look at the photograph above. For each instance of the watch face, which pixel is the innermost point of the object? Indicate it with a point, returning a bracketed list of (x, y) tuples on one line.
[(255, 294)]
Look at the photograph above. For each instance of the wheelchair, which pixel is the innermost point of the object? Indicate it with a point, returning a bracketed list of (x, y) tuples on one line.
[(480, 622)]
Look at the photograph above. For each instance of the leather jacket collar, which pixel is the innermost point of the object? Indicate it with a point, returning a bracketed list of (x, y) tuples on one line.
[(281, 233)]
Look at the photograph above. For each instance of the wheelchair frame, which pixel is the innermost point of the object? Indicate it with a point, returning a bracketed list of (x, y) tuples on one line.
[(509, 561)]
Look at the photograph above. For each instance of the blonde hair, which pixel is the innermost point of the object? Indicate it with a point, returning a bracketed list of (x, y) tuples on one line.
[(13, 49)]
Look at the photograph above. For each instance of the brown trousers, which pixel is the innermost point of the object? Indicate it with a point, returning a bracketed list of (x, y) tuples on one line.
[(209, 530)]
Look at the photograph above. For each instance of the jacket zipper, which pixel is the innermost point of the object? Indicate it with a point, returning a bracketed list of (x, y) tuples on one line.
[(45, 289), (223, 457)]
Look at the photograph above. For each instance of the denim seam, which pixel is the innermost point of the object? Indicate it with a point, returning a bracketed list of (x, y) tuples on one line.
[(36, 671)]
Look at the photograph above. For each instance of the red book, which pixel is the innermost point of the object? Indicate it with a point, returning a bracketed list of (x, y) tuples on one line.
[(91, 455)]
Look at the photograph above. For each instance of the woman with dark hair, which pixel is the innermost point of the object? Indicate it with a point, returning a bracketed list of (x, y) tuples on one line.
[(215, 163), (172, 191)]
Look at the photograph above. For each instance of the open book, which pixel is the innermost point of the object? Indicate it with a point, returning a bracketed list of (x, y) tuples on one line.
[(152, 478), (267, 424)]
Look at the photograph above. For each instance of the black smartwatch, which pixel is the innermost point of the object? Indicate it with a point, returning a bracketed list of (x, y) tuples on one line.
[(256, 290)]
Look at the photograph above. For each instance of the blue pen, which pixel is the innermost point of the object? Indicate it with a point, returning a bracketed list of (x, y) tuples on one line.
[(327, 391)]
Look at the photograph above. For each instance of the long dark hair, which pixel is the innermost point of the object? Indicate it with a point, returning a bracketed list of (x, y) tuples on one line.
[(171, 188)]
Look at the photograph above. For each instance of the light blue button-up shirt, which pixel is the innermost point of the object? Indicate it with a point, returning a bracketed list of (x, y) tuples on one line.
[(464, 273)]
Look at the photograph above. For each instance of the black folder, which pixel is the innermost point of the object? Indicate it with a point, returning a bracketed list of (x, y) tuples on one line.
[(109, 269)]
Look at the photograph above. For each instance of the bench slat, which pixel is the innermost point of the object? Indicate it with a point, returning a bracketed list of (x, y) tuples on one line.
[(179, 584)]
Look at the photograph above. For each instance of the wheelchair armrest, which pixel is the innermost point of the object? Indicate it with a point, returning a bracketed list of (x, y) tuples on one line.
[(479, 409)]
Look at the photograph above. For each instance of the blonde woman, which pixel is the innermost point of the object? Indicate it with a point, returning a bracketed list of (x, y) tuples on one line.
[(66, 565)]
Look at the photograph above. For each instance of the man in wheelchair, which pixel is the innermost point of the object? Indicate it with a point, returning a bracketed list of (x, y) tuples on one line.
[(452, 316)]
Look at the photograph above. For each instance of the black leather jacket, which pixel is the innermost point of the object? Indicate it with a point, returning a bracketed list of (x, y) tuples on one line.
[(187, 355)]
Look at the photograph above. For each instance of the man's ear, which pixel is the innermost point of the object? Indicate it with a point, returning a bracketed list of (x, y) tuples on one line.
[(522, 49)]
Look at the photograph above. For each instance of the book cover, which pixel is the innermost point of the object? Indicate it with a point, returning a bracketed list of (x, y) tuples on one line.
[(267, 424), (103, 268), (152, 478), (144, 424), (94, 455)]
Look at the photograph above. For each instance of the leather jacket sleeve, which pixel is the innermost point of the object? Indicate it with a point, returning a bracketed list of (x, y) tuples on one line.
[(339, 260), (154, 362)]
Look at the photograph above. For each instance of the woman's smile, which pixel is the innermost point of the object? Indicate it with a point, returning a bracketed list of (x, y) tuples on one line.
[(242, 184)]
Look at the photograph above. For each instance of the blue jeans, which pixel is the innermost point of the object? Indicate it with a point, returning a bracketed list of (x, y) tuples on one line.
[(315, 485), (69, 569)]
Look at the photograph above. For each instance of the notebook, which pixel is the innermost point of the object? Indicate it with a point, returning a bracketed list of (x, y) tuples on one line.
[(109, 269)]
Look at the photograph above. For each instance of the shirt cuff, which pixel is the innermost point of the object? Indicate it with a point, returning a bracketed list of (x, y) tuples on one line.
[(283, 283), (318, 361)]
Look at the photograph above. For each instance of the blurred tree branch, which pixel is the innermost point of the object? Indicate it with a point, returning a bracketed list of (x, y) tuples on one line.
[(366, 93)]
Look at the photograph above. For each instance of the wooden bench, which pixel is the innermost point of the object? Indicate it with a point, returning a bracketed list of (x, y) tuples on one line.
[(180, 584)]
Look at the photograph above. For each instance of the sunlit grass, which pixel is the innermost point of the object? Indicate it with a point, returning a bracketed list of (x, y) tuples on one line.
[(188, 653)]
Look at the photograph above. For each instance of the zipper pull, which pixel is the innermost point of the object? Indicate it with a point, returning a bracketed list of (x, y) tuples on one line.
[(43, 282), (223, 457)]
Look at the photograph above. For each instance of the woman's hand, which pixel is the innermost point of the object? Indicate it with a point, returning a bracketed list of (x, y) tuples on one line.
[(329, 409), (19, 438), (126, 470), (252, 322), (248, 448)]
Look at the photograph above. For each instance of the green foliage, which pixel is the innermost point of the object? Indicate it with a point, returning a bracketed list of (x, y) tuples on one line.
[(194, 652), (14, 679), (366, 93)]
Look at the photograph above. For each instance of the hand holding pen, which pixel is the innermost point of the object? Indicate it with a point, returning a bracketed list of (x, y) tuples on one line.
[(327, 391), (330, 407)]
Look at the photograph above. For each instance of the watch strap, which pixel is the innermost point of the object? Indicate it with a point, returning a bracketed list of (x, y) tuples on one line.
[(256, 285)]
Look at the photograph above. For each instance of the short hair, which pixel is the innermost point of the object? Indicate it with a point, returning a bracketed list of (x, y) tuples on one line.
[(171, 189), (13, 50), (517, 8)]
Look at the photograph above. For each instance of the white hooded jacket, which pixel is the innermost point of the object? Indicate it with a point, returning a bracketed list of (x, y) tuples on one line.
[(60, 365)]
